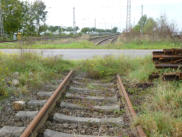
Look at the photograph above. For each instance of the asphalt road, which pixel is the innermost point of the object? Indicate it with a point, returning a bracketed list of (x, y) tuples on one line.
[(79, 54)]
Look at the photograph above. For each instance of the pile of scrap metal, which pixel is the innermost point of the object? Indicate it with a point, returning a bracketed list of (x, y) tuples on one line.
[(168, 58)]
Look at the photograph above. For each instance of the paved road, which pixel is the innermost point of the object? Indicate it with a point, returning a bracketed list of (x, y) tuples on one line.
[(79, 54)]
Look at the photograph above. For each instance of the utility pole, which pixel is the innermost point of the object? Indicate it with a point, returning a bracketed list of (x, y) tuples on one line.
[(141, 24), (142, 10), (74, 20), (95, 23), (128, 16), (1, 20)]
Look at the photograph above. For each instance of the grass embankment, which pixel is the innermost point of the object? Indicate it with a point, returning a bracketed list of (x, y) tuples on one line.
[(89, 45), (20, 73)]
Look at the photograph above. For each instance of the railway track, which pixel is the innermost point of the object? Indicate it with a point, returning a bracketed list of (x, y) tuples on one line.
[(79, 107), (109, 39)]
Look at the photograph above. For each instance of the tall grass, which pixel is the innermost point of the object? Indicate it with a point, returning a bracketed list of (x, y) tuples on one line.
[(161, 109), (32, 71), (136, 69), (162, 112)]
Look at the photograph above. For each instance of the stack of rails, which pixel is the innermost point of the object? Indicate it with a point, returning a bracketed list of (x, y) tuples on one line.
[(169, 58)]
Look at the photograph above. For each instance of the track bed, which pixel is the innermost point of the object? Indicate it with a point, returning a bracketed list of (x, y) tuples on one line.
[(88, 108)]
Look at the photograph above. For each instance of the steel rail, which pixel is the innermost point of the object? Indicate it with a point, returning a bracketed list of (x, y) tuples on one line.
[(103, 40), (174, 66), (167, 56), (102, 37), (36, 123), (132, 112), (114, 39)]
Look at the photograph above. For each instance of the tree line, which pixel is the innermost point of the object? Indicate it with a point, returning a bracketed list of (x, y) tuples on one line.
[(29, 19), (92, 30), (22, 16), (85, 30), (160, 27)]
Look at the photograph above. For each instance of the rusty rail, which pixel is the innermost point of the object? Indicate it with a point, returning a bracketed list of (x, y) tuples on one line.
[(172, 76), (168, 52), (157, 52), (168, 58), (108, 38), (102, 37), (174, 66), (41, 117), (123, 93), (172, 51)]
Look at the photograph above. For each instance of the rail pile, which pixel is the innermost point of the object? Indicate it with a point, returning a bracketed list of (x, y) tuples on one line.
[(168, 58)]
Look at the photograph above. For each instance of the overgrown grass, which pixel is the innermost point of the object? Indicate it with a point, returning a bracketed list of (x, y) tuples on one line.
[(135, 69), (30, 70), (160, 114), (150, 45), (89, 45), (162, 111), (73, 45)]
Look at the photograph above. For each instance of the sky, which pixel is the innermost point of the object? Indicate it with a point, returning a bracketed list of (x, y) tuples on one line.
[(110, 13)]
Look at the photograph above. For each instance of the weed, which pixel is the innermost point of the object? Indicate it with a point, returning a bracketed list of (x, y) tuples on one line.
[(32, 71), (109, 66), (161, 114)]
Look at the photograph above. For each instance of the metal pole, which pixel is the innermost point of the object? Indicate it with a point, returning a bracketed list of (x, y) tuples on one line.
[(142, 10), (1, 20), (74, 20), (95, 21), (128, 16), (141, 17)]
